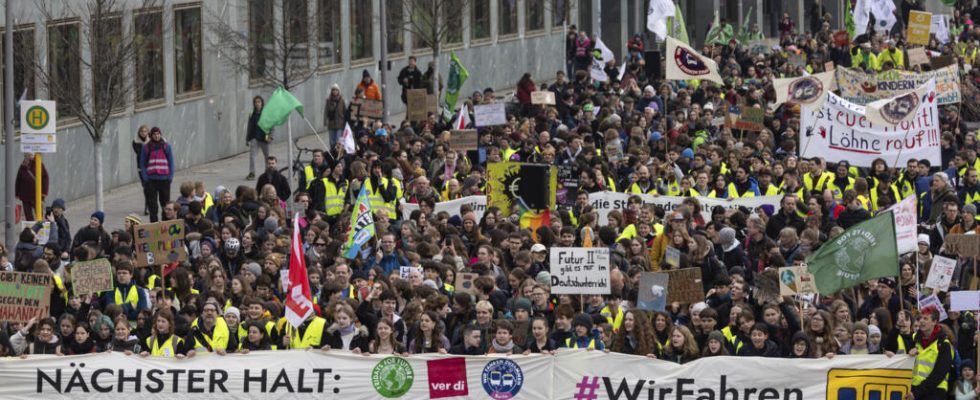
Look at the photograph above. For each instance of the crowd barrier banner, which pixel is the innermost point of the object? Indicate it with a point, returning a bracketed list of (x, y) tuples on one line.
[(862, 88), (477, 203), (604, 202), (840, 130), (577, 374)]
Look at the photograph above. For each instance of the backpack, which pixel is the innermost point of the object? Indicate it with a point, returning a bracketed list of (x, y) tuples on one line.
[(24, 260)]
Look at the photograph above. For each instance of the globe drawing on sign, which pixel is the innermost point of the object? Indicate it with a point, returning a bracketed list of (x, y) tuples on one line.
[(805, 90), (788, 278), (897, 110), (851, 257), (690, 63)]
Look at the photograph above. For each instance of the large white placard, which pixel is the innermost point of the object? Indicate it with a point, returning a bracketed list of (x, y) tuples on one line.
[(490, 114), (477, 203), (605, 202), (941, 273), (580, 270), (906, 225)]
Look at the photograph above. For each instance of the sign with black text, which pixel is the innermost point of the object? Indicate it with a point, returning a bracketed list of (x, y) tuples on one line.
[(578, 270)]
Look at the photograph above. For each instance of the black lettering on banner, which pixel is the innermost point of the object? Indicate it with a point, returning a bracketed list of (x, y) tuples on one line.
[(43, 377), (680, 387), (95, 380), (299, 384), (176, 381), (218, 378), (249, 379), (192, 377), (623, 389), (319, 380), (120, 386), (76, 380), (281, 380), (768, 394), (152, 376)]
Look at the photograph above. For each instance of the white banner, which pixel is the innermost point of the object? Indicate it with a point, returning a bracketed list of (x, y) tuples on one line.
[(605, 202), (477, 203), (580, 270), (839, 130), (810, 89), (569, 374), (906, 225), (490, 114)]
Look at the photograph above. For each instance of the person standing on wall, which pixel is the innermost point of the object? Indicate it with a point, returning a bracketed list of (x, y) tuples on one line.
[(142, 136), (157, 170), (256, 138), (410, 78), (25, 189), (333, 114)]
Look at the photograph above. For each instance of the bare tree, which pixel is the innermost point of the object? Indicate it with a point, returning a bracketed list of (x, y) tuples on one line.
[(434, 23), (277, 48), (95, 42)]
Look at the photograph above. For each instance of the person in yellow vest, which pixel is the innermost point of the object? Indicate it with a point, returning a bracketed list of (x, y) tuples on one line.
[(817, 179), (163, 342), (885, 195), (969, 52), (313, 171), (643, 184), (128, 295), (201, 194), (308, 335), (969, 193), (330, 191), (612, 311), (842, 181), (933, 358), (583, 335), (255, 312), (766, 187), (210, 331), (890, 54), (742, 185)]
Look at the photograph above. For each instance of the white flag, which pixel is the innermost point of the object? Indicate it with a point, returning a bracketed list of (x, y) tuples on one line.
[(657, 15), (884, 12), (901, 108), (940, 28), (861, 12), (684, 63), (810, 89), (599, 63), (348, 140)]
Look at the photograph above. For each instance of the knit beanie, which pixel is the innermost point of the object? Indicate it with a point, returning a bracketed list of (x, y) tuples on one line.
[(583, 320)]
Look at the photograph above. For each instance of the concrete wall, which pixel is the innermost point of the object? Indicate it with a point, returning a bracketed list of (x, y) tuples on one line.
[(211, 126)]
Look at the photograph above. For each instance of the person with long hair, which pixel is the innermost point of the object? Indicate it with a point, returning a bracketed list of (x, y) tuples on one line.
[(255, 137), (899, 339), (428, 337), (142, 137), (636, 335), (84, 342), (540, 340), (384, 341), (820, 335), (122, 339), (256, 338), (163, 342), (344, 334), (682, 348), (662, 331)]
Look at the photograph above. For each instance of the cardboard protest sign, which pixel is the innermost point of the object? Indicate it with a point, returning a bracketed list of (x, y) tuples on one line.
[(918, 29), (417, 107), (941, 273), (405, 272), (942, 62), (917, 56), (24, 295), (932, 301), (967, 246), (796, 280), (43, 234), (463, 139), (490, 114), (652, 293), (476, 203), (751, 119), (545, 97), (373, 109), (464, 282), (673, 257), (160, 243), (964, 300), (89, 277), (684, 286), (578, 270)]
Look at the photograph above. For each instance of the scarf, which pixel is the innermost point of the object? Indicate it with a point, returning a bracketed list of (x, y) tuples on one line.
[(927, 340), (349, 329), (498, 348)]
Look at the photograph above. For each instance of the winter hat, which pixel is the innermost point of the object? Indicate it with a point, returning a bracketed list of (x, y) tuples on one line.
[(99, 215), (769, 209), (335, 86), (716, 335), (860, 326), (544, 278), (726, 237), (649, 89), (656, 136), (874, 330), (970, 208), (799, 336), (254, 268), (155, 130), (59, 203), (365, 74), (234, 311), (210, 243), (967, 363), (687, 153), (924, 238), (584, 320), (360, 274), (134, 219), (430, 283), (218, 189), (271, 224), (381, 132), (523, 303)]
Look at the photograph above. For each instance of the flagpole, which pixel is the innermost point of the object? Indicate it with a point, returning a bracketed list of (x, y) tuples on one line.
[(317, 134), (289, 130)]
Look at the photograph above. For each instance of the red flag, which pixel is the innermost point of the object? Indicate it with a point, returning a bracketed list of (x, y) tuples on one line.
[(299, 301)]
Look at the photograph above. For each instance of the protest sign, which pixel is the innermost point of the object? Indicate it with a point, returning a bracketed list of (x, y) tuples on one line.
[(963, 245), (941, 273), (531, 186), (43, 233), (545, 97), (464, 282), (839, 130), (604, 202), (578, 270), (417, 108), (828, 66), (940, 27), (964, 300), (476, 203), (652, 293), (373, 109), (673, 257), (858, 87), (932, 301), (684, 285), (917, 56), (906, 224), (567, 183), (404, 271), (24, 295), (751, 119), (490, 114), (796, 280), (463, 139), (89, 277), (160, 243), (918, 28)]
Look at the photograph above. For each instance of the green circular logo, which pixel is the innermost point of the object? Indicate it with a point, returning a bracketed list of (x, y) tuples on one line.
[(392, 377), (37, 117)]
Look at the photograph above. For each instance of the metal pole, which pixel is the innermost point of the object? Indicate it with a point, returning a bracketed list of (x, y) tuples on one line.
[(384, 61), (38, 181), (10, 198)]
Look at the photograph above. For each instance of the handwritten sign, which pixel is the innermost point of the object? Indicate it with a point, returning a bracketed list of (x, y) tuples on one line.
[(941, 273), (917, 56), (941, 62), (796, 280), (751, 119), (920, 23), (577, 270), (490, 114), (43, 234), (464, 282), (160, 243), (932, 301), (684, 286), (463, 139), (405, 272), (545, 97), (652, 293), (373, 109), (89, 277), (673, 257), (417, 109), (24, 295), (963, 245)]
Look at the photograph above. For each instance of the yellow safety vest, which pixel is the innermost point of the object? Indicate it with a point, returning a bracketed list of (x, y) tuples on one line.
[(574, 344), (208, 202), (772, 190), (376, 200), (925, 361), (674, 189), (874, 197), (826, 179), (311, 338), (61, 287), (839, 191), (151, 282), (310, 176), (132, 297), (636, 189), (616, 321), (449, 288), (737, 344), (243, 334), (218, 339), (164, 350), (333, 197), (733, 192), (393, 205)]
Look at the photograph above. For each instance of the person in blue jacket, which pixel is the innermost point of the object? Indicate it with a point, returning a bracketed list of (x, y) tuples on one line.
[(127, 294), (584, 336)]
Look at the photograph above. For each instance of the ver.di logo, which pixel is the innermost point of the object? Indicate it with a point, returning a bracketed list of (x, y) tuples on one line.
[(502, 379), (392, 377)]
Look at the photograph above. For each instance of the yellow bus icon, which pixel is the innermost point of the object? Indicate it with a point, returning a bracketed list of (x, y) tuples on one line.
[(868, 384)]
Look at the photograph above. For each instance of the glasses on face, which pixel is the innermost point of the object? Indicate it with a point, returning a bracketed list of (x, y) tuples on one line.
[(319, 244)]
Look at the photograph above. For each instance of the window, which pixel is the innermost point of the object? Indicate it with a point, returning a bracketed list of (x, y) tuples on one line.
[(561, 12), (480, 12), (585, 16), (107, 70), (361, 39), (187, 50), (423, 31), (148, 84), (23, 63), (507, 17), (329, 15), (534, 15), (452, 12), (395, 10), (297, 31), (260, 38), (64, 66)]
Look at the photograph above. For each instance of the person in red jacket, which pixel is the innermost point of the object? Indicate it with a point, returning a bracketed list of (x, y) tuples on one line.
[(369, 87), (26, 180), (524, 88)]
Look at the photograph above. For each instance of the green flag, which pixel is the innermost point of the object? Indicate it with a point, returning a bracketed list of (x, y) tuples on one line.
[(676, 27), (865, 251), (744, 31), (849, 19), (457, 75), (719, 34), (361, 224), (277, 109)]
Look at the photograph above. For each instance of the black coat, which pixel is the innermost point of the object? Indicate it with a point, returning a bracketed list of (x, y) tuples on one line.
[(277, 180), (361, 340), (409, 79), (254, 131)]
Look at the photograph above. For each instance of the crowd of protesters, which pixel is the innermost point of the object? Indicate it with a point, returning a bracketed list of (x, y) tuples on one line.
[(638, 134)]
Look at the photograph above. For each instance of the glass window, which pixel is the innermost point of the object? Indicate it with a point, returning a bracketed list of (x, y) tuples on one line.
[(452, 12), (480, 13), (846, 394), (329, 15), (23, 64), (64, 65), (260, 39), (422, 30), (534, 15), (187, 50), (107, 79), (396, 26), (507, 17), (297, 31), (149, 56), (561, 12), (361, 29)]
